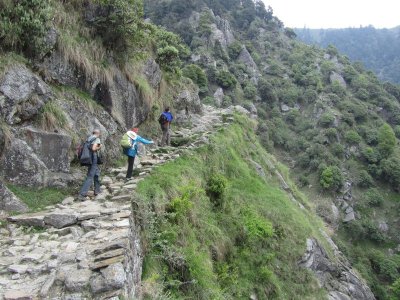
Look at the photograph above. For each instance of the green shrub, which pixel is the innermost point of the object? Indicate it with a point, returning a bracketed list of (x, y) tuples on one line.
[(327, 119), (364, 179), (267, 91), (386, 140), (198, 76), (371, 155), (331, 178), (225, 79), (121, 26), (234, 49), (216, 188), (181, 206), (352, 137), (250, 91), (373, 198), (391, 170), (24, 24), (395, 289), (256, 226)]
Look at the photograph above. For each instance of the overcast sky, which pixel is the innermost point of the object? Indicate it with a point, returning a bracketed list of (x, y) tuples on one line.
[(337, 13)]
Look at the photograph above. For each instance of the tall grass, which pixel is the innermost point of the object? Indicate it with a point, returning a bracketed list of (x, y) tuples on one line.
[(52, 116)]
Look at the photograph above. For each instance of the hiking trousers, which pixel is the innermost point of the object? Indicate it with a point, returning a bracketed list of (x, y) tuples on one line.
[(166, 137), (92, 177), (131, 161)]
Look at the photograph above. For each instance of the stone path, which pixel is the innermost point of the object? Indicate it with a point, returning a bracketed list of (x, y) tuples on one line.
[(91, 249)]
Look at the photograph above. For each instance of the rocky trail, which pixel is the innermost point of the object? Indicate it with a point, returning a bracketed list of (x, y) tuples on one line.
[(91, 249)]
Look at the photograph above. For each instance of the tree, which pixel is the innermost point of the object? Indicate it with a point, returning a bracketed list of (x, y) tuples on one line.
[(391, 170), (386, 140), (24, 24), (331, 178), (267, 91), (198, 76), (225, 79), (120, 23)]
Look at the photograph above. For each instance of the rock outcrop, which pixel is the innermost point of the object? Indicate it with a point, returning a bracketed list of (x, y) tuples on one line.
[(22, 95), (252, 68), (9, 202), (337, 277)]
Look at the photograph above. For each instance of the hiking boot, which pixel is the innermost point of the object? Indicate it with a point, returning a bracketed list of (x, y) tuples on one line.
[(83, 198)]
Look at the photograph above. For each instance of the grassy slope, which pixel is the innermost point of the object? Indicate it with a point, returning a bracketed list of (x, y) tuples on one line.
[(199, 251)]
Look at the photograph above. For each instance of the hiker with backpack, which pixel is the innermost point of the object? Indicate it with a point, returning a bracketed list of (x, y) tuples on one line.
[(88, 155), (165, 120), (129, 143)]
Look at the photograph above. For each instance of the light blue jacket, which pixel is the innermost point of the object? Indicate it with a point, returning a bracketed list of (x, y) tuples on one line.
[(132, 152)]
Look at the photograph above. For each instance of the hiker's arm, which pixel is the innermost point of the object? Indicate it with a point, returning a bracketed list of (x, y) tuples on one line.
[(96, 147), (144, 141)]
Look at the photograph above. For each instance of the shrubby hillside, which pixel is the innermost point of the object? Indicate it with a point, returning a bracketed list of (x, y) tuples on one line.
[(377, 49), (332, 121)]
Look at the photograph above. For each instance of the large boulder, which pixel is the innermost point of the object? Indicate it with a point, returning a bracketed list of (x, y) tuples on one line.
[(252, 68), (219, 97), (10, 202), (22, 95), (339, 78), (20, 165), (51, 148), (188, 101)]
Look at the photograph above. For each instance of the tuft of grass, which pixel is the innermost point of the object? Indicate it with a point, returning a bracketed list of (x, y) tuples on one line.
[(52, 116), (37, 199)]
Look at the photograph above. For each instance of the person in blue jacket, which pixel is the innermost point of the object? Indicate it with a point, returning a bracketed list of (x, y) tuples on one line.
[(165, 121), (132, 151)]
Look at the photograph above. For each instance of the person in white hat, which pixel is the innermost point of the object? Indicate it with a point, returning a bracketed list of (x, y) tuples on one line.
[(133, 150)]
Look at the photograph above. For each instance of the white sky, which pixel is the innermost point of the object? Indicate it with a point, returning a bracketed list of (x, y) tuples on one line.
[(337, 13)]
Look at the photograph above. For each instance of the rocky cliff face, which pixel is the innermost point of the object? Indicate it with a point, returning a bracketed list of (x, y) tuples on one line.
[(336, 276)]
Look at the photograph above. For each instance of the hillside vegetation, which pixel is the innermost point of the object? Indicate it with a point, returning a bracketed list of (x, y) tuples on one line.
[(228, 220), (332, 121), (216, 229), (377, 49)]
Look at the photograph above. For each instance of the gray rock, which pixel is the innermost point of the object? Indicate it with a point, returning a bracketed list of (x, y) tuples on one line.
[(349, 217), (21, 165), (51, 148), (219, 96), (77, 280), (98, 284), (18, 295), (246, 58), (152, 72), (28, 220), (44, 291), (68, 200), (337, 278), (19, 269), (285, 108), (337, 77), (25, 94), (383, 227), (114, 276), (10, 202), (60, 220), (189, 101)]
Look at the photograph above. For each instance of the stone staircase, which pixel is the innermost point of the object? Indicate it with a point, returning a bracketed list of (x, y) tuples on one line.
[(91, 249)]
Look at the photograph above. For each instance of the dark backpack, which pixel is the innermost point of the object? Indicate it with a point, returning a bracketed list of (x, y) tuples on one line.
[(85, 153), (162, 119)]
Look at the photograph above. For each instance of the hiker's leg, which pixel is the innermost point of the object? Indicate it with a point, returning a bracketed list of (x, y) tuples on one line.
[(131, 161), (88, 181), (168, 136), (96, 180), (164, 137)]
